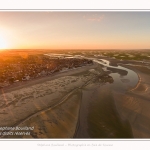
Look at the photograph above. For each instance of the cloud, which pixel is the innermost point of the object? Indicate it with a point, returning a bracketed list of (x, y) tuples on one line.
[(95, 18)]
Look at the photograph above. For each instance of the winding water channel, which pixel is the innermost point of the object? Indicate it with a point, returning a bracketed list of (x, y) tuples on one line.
[(99, 117), (124, 81), (121, 82)]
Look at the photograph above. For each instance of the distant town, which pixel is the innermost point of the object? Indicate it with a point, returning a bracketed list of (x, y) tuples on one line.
[(24, 68)]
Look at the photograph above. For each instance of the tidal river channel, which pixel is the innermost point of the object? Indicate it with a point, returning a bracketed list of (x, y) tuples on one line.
[(122, 80), (99, 117)]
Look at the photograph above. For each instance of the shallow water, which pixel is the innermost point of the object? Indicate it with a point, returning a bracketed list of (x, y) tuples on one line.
[(131, 76), (118, 83), (99, 117)]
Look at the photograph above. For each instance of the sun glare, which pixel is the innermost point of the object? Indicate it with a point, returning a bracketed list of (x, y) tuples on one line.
[(3, 43)]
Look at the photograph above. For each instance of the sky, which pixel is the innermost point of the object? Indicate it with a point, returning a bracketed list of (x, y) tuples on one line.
[(74, 30)]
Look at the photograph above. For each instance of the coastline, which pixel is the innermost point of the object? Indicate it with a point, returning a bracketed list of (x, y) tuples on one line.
[(133, 106), (43, 96), (56, 75), (139, 78), (126, 109)]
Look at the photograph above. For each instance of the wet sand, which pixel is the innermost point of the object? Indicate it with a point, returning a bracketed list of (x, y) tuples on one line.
[(29, 83), (55, 97), (108, 113), (74, 104), (133, 106), (57, 121), (98, 116)]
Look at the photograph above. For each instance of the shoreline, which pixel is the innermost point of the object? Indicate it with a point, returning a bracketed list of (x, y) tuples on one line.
[(139, 77), (119, 100), (47, 78), (133, 105), (57, 96)]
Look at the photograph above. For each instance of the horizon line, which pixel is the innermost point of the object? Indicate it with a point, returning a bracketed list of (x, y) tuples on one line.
[(72, 49)]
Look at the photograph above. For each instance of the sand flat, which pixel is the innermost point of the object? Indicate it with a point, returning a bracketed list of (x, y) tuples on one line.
[(134, 105), (23, 106)]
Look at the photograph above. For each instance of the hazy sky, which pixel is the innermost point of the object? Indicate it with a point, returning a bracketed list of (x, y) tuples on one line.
[(75, 30)]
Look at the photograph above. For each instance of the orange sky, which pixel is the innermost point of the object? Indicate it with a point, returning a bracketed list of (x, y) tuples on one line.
[(75, 30)]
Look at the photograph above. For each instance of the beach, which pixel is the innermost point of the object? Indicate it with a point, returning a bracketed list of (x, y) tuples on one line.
[(134, 104), (77, 103), (54, 100)]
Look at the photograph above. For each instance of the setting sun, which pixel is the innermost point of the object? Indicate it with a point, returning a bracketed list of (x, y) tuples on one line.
[(3, 43)]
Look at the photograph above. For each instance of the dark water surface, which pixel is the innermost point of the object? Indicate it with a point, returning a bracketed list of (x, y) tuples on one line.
[(98, 116)]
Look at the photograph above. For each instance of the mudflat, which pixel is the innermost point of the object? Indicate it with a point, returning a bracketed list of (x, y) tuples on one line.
[(50, 104), (79, 104), (135, 103)]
